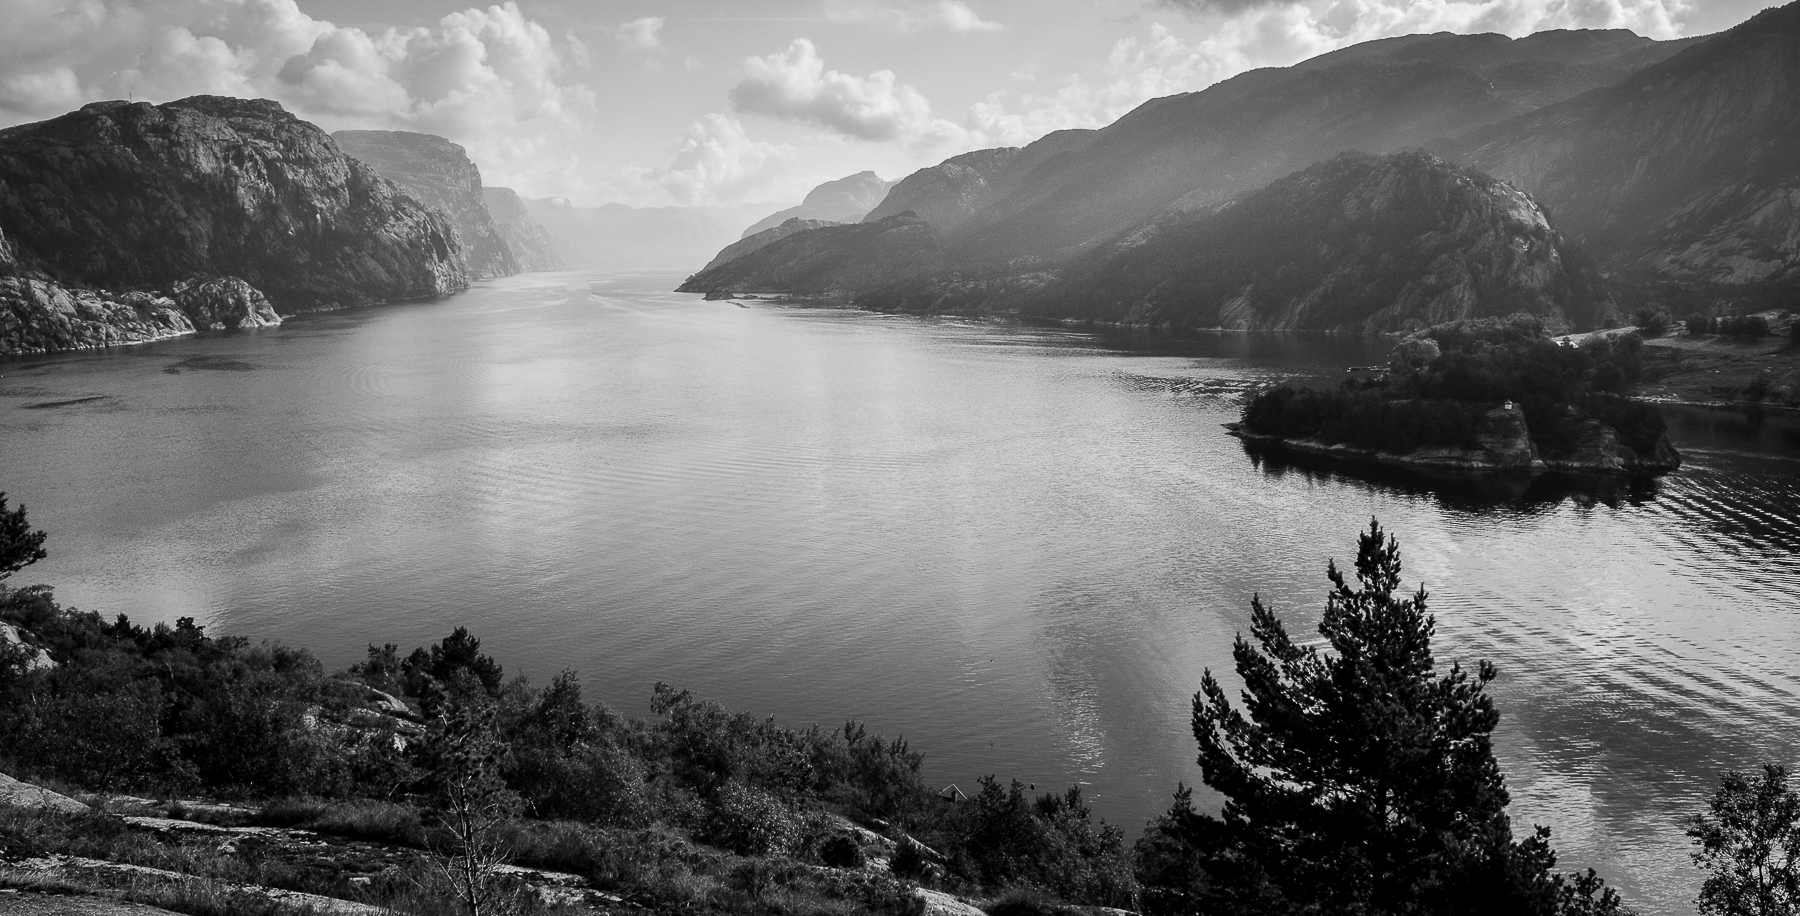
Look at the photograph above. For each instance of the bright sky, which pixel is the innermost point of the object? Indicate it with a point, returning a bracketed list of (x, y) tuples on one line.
[(721, 102)]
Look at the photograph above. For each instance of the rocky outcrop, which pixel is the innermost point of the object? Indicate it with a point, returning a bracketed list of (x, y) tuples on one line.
[(437, 173), (831, 261), (1688, 170), (845, 200), (16, 794), (42, 316), (765, 238), (223, 304), (1355, 243), (130, 196), (1598, 450), (530, 244)]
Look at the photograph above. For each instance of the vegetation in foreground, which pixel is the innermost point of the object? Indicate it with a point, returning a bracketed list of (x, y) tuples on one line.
[(1357, 778), (1441, 382)]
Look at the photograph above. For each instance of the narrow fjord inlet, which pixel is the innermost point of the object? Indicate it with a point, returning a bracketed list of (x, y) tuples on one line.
[(1018, 547), (899, 458)]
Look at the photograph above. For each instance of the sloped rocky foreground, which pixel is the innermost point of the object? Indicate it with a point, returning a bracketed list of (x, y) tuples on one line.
[(119, 855)]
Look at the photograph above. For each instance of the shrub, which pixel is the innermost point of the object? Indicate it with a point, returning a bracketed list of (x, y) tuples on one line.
[(751, 821)]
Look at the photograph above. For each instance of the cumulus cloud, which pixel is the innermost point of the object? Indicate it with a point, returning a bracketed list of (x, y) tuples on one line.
[(716, 161), (641, 34), (950, 15), (491, 79), (794, 85)]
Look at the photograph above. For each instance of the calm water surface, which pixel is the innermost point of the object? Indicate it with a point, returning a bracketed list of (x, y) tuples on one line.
[(1019, 547)]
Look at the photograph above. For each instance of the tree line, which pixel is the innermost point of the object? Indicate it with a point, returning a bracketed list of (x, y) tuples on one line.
[(1357, 773)]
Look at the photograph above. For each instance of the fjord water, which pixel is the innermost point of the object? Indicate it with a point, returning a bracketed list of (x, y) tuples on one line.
[(1020, 547)]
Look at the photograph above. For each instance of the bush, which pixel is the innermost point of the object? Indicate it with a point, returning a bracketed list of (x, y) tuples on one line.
[(751, 821)]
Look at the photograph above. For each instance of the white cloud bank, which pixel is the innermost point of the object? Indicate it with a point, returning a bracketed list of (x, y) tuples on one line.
[(794, 85), (642, 34), (492, 79), (950, 15)]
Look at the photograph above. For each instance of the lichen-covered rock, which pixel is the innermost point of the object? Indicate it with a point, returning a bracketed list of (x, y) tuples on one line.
[(40, 316), (438, 173), (134, 196), (223, 304), (529, 241)]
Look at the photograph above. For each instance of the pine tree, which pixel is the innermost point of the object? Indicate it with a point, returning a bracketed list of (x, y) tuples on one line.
[(1749, 845), (1361, 780), (20, 544)]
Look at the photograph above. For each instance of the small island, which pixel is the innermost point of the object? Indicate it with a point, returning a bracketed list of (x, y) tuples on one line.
[(1480, 395)]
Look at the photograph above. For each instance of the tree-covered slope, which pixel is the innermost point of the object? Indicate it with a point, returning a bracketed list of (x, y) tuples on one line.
[(1244, 132), (1687, 170), (1358, 242), (831, 260)]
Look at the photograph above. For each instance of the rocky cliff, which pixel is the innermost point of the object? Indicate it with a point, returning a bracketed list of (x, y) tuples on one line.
[(1687, 170), (765, 238), (529, 242), (1357, 243), (1244, 132), (118, 201), (845, 200), (437, 173), (831, 261)]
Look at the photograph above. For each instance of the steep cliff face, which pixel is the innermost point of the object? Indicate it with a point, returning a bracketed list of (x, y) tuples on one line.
[(1358, 242), (1689, 169), (831, 261), (133, 196), (765, 238), (845, 200), (529, 242), (437, 173), (1244, 132)]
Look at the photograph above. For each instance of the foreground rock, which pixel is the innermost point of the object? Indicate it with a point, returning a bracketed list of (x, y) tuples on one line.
[(16, 794), (123, 199), (438, 173)]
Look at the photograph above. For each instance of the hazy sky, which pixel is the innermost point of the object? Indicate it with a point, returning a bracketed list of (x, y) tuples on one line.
[(720, 101)]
